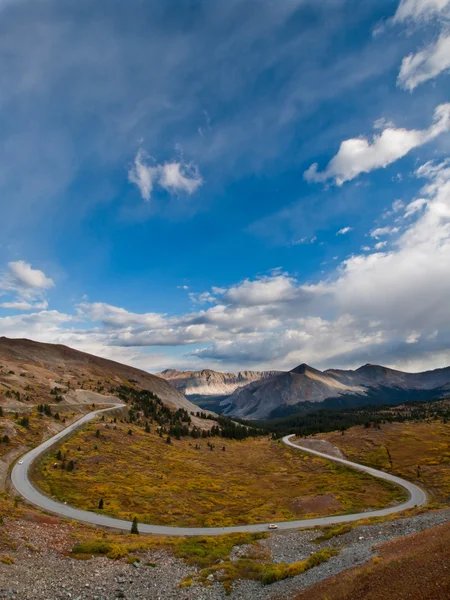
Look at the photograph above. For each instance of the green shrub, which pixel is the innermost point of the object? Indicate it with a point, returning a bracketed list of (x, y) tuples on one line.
[(281, 571)]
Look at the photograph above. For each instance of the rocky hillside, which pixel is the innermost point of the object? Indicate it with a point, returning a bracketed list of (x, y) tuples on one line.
[(30, 370), (334, 388), (211, 383)]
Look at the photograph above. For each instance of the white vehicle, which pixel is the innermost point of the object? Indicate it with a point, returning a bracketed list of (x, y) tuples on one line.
[(273, 526), (20, 462)]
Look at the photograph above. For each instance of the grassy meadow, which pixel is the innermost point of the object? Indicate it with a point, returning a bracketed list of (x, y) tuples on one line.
[(418, 451), (188, 483)]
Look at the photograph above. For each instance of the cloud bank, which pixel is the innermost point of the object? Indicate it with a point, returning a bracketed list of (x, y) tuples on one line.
[(387, 305)]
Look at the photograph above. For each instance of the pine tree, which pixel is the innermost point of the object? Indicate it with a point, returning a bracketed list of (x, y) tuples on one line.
[(59, 455), (168, 440), (97, 433), (100, 504), (71, 465), (134, 526)]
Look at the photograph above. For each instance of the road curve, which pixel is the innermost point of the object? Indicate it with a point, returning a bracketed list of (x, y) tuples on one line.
[(24, 487)]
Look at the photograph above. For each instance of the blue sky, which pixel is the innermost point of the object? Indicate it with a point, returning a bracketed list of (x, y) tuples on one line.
[(242, 184)]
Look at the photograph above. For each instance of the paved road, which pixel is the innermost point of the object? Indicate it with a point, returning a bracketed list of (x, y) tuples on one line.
[(20, 480)]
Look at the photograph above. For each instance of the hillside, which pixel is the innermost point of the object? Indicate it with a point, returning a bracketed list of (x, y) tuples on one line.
[(33, 369), (211, 383), (303, 386)]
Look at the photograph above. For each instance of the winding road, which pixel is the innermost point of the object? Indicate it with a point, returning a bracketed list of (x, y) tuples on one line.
[(21, 482)]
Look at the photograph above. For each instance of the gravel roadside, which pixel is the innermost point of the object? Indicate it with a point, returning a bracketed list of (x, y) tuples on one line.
[(42, 572)]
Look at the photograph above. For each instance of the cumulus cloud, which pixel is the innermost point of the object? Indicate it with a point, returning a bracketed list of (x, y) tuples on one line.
[(387, 305), (426, 64), (23, 274), (174, 177), (261, 291), (26, 285), (360, 155)]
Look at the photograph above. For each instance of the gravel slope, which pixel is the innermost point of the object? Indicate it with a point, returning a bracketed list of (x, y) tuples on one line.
[(42, 572)]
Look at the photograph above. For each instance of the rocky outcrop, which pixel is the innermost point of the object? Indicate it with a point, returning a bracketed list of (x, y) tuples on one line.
[(211, 383)]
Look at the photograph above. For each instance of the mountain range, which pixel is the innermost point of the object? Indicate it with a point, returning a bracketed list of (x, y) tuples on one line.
[(306, 388), (212, 383)]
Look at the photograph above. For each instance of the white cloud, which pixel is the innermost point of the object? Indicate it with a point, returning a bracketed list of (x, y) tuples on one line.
[(413, 338), (434, 59), (419, 10), (387, 306), (25, 286), (18, 305), (380, 231), (380, 245), (261, 291), (344, 230), (116, 317), (202, 298), (23, 274), (179, 177), (172, 176), (143, 175), (426, 64), (414, 207), (359, 155)]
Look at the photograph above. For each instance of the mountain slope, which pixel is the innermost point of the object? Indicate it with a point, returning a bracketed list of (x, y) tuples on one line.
[(370, 383), (211, 383), (28, 364)]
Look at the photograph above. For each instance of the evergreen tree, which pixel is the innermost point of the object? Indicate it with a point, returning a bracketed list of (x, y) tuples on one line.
[(97, 433), (134, 526), (59, 455), (100, 504)]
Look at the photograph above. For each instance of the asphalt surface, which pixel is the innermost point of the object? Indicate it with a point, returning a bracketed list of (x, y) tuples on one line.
[(24, 487)]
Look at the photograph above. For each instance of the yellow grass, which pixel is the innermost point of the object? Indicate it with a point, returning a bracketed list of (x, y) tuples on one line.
[(416, 451), (252, 481)]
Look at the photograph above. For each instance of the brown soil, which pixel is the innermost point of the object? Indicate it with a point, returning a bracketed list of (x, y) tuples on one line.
[(415, 567), (315, 504)]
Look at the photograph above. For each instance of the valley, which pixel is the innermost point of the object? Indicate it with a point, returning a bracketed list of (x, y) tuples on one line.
[(159, 457), (210, 482)]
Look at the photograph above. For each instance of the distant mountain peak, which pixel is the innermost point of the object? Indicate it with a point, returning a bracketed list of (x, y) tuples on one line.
[(303, 368)]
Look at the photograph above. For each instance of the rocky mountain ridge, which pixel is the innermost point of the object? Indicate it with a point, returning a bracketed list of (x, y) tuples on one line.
[(40, 367), (211, 383), (334, 387)]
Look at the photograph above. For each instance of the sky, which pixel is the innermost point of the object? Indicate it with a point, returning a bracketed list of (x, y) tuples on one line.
[(250, 184)]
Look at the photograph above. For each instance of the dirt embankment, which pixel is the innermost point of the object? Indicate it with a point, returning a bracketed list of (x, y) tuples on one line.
[(416, 567), (321, 446)]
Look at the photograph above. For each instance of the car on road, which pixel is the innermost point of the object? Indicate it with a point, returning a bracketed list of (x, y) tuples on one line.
[(273, 526), (20, 462)]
